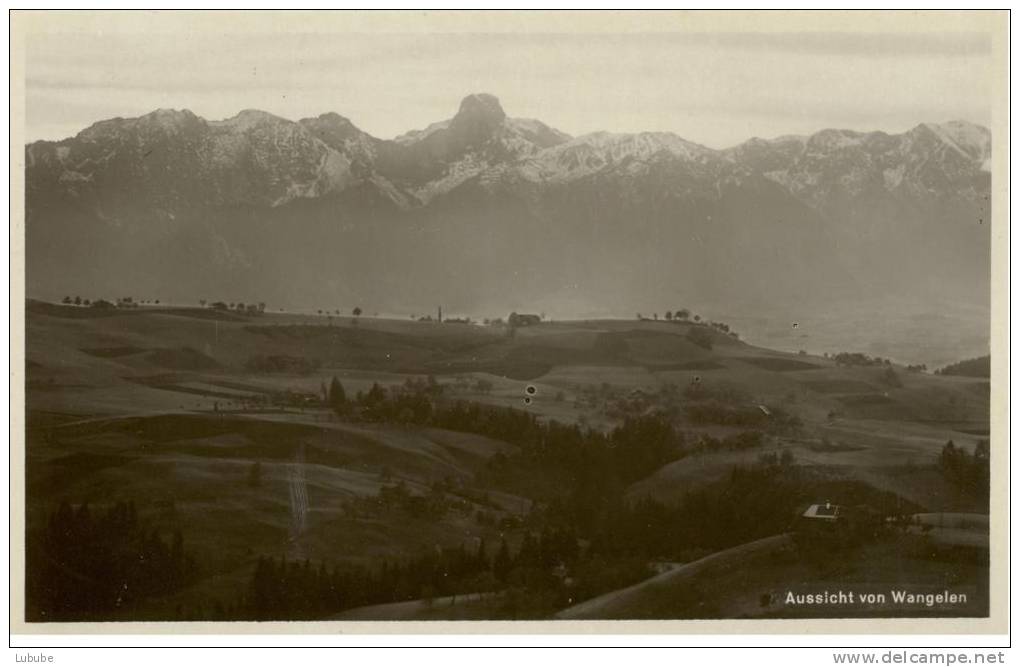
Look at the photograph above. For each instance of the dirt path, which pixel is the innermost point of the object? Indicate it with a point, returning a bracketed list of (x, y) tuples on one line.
[(618, 604)]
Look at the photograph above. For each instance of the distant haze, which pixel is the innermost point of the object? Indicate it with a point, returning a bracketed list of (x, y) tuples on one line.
[(715, 89)]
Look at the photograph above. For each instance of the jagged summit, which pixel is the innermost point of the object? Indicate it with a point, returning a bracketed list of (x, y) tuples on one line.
[(479, 116), (159, 122), (481, 105), (331, 118), (249, 118), (336, 130), (170, 114)]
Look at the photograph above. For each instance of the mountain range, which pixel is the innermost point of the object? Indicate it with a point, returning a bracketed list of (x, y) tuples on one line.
[(484, 213)]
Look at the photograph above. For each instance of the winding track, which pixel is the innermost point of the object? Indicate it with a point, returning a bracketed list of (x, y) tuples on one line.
[(621, 603)]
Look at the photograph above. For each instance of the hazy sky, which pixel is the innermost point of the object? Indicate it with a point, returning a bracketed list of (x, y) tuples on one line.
[(715, 89)]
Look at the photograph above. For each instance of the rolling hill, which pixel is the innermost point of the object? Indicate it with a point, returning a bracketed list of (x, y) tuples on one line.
[(215, 426)]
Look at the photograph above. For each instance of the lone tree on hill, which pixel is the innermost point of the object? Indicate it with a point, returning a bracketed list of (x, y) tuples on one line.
[(337, 396), (357, 311)]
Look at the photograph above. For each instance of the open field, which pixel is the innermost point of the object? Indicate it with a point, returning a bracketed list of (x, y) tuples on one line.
[(216, 425)]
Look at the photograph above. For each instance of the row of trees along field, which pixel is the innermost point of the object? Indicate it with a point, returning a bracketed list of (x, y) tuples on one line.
[(681, 315), (127, 302), (122, 302), (978, 367), (684, 316)]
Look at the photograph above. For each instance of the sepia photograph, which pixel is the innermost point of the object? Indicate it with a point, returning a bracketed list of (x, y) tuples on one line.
[(509, 316)]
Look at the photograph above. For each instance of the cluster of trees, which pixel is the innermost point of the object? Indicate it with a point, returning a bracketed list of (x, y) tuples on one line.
[(130, 302), (240, 307), (978, 367), (282, 590), (750, 503), (684, 316), (122, 302), (681, 315), (454, 320), (412, 402), (356, 311), (87, 565), (446, 320), (857, 359), (967, 471), (533, 576)]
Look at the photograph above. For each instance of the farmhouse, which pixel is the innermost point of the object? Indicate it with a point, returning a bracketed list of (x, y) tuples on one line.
[(826, 512), (523, 320)]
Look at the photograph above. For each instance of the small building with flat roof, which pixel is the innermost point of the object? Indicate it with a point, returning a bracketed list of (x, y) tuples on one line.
[(822, 512)]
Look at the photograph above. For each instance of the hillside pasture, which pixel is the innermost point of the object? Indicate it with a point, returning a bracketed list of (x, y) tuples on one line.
[(174, 408)]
